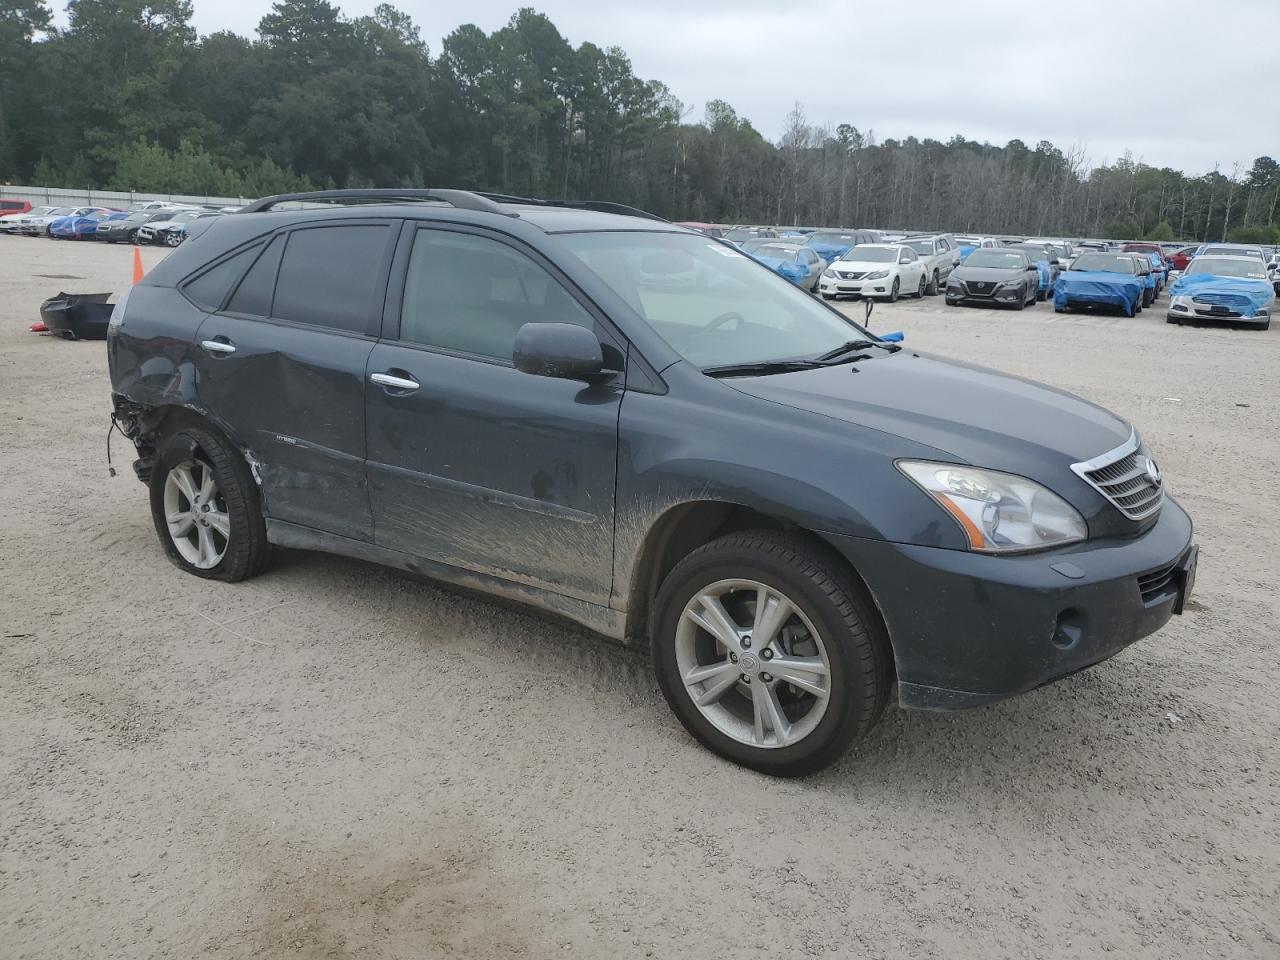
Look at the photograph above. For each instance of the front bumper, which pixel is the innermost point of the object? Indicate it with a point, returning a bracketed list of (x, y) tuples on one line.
[(995, 298), (970, 629), (1185, 308), (855, 288)]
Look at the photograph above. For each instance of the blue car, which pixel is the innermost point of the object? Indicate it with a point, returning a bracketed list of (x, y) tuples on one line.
[(831, 245), (1047, 269), (793, 261), (83, 225)]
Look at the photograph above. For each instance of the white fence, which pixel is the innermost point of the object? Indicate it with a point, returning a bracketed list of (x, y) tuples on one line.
[(63, 197)]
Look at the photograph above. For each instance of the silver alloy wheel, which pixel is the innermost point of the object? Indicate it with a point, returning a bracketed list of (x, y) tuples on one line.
[(752, 663), (196, 514)]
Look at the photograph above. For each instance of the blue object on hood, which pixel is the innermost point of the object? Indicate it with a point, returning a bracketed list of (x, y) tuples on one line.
[(786, 268), (828, 252), (1239, 294), (896, 337), (1098, 286)]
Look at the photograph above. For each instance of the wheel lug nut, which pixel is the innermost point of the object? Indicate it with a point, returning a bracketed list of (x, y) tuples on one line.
[(746, 643), (733, 658), (766, 654), (745, 678), (766, 678)]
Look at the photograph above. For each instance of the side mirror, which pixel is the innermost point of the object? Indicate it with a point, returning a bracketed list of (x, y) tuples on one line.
[(563, 350)]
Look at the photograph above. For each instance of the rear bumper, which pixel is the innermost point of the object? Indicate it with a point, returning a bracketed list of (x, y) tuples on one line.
[(969, 629)]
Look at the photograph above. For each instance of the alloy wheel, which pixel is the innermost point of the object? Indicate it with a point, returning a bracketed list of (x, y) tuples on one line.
[(752, 663), (196, 514)]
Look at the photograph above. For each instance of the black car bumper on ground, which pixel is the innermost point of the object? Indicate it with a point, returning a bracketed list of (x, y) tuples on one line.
[(970, 629)]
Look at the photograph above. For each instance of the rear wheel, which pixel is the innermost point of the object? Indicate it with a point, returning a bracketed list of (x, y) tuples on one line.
[(932, 288), (768, 653), (206, 507)]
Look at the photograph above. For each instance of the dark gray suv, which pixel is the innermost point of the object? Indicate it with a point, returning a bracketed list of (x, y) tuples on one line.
[(588, 409)]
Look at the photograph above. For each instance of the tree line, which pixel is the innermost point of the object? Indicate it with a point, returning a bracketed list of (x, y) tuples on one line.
[(128, 97)]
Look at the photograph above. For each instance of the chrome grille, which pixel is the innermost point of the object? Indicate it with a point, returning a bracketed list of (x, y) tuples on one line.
[(850, 275), (1232, 301), (1128, 478), (979, 286)]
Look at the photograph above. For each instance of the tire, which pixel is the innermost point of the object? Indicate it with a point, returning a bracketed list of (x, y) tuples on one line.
[(828, 296), (1177, 322), (932, 289), (825, 599), (235, 497), (895, 290), (920, 289)]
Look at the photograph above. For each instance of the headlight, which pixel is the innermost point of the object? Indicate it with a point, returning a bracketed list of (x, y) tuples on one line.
[(1010, 285), (829, 273), (878, 275), (999, 512)]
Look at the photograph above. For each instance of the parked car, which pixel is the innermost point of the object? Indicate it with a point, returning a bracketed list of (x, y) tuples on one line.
[(831, 245), (940, 255), (501, 402), (966, 245), (80, 226), (173, 231), (736, 235), (1223, 288), (10, 222), (1179, 259), (794, 261), (877, 270), (1156, 254), (8, 207), (706, 229), (994, 278), (1045, 257), (126, 230), (1230, 250), (1102, 280), (1147, 272), (37, 225)]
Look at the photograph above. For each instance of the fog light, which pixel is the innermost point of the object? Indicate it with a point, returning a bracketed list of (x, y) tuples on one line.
[(1179, 306), (1068, 630)]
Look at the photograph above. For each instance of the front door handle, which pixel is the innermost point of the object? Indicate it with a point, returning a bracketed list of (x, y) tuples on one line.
[(405, 384), (218, 345)]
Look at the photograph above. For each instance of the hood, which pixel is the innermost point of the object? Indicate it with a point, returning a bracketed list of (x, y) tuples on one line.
[(985, 274), (976, 415), (1091, 278)]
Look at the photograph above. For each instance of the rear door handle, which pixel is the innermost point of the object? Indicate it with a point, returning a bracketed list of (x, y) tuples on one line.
[(218, 345), (392, 382)]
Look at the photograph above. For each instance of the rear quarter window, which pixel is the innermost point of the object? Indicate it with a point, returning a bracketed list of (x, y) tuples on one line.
[(210, 288)]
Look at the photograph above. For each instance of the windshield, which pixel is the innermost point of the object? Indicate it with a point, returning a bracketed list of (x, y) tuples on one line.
[(41, 211), (1224, 267), (832, 239), (996, 259), (1033, 253), (924, 247), (755, 243), (775, 252), (714, 306), (59, 212), (1232, 252), (1107, 262), (866, 254)]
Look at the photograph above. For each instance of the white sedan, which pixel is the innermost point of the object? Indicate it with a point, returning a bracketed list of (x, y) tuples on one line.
[(12, 221), (877, 270)]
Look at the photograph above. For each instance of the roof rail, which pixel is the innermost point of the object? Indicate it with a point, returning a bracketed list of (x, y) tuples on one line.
[(599, 206), (462, 199)]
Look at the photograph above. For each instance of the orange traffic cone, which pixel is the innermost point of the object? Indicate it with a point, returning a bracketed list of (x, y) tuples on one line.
[(137, 264)]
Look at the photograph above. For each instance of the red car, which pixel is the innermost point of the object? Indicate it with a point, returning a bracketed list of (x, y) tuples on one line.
[(1180, 259), (14, 206), (1142, 246)]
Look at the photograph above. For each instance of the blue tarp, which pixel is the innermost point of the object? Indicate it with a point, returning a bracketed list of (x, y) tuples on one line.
[(1042, 266), (1099, 287), (965, 250), (787, 268), (1240, 294)]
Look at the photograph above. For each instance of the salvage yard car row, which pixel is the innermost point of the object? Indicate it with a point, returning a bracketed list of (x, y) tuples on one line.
[(155, 222)]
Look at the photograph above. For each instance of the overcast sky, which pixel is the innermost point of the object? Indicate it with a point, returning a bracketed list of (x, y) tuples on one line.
[(1181, 83)]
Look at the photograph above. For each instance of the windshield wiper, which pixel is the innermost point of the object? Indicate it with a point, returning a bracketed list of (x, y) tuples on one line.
[(762, 368), (852, 345)]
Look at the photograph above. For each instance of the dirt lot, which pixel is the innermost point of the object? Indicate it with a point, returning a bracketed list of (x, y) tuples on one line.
[(336, 761)]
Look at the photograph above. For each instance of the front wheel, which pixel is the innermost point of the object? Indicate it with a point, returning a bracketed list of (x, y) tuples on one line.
[(768, 652), (206, 507), (894, 290), (921, 288), (932, 288)]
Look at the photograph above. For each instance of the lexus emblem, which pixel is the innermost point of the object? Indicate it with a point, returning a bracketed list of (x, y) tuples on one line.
[(1153, 473)]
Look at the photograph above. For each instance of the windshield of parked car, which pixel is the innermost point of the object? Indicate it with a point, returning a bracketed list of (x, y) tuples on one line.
[(775, 251), (41, 211), (996, 259), (923, 247), (1228, 267), (1106, 262), (59, 212), (1233, 252), (831, 239), (713, 305), (755, 243), (865, 254), (1034, 253), (739, 234)]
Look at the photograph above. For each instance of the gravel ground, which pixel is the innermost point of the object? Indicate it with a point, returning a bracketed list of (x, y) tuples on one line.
[(335, 761)]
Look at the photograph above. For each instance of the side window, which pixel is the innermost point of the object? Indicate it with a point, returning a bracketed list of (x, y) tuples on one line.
[(210, 288), (944, 245), (328, 274), (253, 295), (472, 294)]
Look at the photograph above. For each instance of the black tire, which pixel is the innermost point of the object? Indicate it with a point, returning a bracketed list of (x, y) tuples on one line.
[(920, 289), (834, 602), (1040, 295), (246, 548), (828, 296), (1177, 322), (932, 289), (895, 290)]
